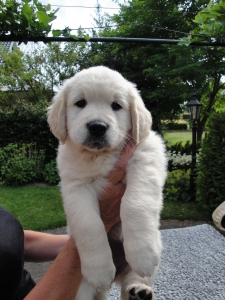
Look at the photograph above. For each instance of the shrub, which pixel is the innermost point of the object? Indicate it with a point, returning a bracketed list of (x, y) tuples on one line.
[(181, 148), (20, 164), (50, 173), (211, 175), (25, 125), (177, 186), (178, 161), (186, 117), (176, 126)]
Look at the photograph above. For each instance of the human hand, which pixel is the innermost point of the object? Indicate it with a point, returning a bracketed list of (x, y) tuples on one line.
[(111, 198)]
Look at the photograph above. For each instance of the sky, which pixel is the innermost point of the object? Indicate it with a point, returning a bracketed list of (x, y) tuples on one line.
[(74, 17)]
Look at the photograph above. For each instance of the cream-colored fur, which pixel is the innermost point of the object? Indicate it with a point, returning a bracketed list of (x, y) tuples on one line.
[(84, 162)]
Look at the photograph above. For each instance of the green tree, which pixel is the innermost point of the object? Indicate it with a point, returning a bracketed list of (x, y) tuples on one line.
[(166, 75), (211, 176), (35, 75)]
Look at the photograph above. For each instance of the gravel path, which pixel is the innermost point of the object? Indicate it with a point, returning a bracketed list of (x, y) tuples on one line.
[(38, 269), (192, 265)]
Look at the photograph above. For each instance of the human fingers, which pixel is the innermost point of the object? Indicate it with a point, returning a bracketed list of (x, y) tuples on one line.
[(120, 168)]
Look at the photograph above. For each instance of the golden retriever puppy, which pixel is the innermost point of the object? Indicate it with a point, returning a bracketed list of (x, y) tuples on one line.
[(94, 114)]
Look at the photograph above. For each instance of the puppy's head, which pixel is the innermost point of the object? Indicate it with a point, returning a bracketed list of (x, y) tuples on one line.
[(98, 109)]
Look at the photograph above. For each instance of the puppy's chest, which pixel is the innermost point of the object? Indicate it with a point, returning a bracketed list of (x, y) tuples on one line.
[(97, 166), (86, 167)]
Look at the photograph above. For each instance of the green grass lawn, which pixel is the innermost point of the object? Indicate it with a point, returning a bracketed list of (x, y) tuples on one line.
[(37, 208), (178, 136), (40, 208), (184, 211)]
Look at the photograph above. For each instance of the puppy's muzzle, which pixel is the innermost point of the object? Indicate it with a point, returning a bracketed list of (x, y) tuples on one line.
[(97, 128)]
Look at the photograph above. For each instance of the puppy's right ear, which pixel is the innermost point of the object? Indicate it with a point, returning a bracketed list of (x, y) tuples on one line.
[(57, 116)]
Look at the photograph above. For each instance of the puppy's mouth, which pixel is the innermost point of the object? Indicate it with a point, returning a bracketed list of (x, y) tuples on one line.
[(97, 135), (96, 143)]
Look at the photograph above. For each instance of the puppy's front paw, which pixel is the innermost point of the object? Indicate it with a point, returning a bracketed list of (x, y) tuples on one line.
[(99, 273), (143, 258)]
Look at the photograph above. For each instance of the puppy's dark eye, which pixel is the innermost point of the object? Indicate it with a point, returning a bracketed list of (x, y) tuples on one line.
[(81, 103), (116, 106)]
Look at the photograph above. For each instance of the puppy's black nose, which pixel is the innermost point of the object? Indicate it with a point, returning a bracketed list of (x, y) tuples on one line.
[(97, 128)]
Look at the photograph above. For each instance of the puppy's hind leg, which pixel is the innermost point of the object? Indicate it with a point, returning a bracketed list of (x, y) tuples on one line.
[(135, 287), (100, 296), (85, 292)]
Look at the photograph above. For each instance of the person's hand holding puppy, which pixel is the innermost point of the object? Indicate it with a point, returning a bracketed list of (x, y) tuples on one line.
[(111, 198)]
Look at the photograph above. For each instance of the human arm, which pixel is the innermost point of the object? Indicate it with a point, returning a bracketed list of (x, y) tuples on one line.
[(41, 247), (62, 279)]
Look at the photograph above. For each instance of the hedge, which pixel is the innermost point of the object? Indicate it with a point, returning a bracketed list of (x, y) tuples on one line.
[(176, 126), (211, 175), (24, 164), (27, 125), (177, 186)]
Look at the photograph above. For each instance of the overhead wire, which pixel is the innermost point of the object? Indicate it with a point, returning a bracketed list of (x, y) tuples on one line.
[(82, 6), (117, 8), (116, 25), (137, 24)]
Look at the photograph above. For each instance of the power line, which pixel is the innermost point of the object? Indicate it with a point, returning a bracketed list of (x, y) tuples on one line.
[(117, 8), (82, 6), (138, 24)]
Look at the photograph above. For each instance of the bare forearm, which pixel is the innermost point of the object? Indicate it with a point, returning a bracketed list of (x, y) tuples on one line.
[(40, 247), (63, 278)]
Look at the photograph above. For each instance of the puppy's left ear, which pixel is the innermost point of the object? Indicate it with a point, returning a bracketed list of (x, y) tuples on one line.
[(57, 116), (141, 118)]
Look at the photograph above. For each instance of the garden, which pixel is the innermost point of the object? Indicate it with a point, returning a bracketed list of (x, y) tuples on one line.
[(29, 178), (166, 76)]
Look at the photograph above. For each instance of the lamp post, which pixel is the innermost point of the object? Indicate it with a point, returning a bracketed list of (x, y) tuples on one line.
[(194, 109)]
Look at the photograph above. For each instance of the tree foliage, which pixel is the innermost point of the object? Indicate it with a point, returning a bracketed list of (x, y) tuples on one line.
[(29, 18), (210, 24), (166, 75), (35, 75), (27, 125), (25, 18)]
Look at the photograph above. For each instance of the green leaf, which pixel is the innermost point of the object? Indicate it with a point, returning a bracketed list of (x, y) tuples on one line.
[(184, 41), (56, 32), (48, 7), (200, 18), (43, 18), (27, 11), (9, 4), (86, 37), (74, 37)]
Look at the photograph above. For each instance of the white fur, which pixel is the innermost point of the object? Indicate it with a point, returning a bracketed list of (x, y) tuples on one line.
[(83, 170)]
